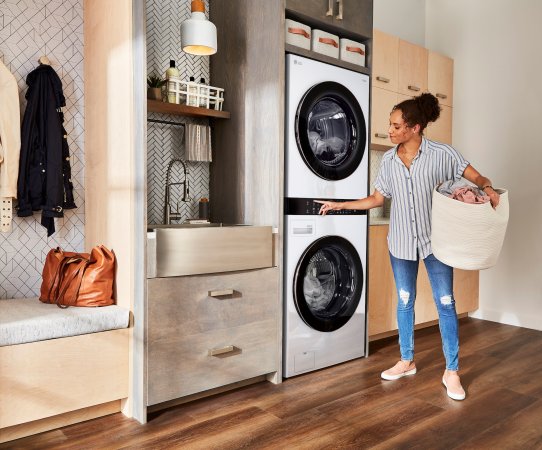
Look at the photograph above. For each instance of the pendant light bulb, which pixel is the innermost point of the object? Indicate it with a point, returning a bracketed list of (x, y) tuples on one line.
[(198, 35)]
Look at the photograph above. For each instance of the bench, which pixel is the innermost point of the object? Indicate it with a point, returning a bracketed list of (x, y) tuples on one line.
[(59, 366)]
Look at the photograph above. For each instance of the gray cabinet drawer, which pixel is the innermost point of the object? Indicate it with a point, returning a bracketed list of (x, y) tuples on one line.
[(185, 323), (182, 365)]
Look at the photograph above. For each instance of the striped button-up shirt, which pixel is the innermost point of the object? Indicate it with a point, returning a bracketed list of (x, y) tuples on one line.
[(411, 192)]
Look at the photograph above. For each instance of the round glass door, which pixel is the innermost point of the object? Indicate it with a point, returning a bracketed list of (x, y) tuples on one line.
[(327, 283), (330, 131)]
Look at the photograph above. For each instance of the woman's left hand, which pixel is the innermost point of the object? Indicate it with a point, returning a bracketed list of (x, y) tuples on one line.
[(494, 197)]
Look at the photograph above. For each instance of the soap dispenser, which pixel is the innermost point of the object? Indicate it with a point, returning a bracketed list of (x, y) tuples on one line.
[(172, 71)]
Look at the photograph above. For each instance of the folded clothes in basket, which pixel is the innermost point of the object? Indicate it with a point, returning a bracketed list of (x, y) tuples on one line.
[(466, 193)]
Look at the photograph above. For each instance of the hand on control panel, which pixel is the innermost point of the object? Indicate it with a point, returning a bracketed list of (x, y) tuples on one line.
[(328, 206)]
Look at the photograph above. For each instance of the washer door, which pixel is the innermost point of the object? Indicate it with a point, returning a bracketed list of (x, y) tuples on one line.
[(330, 131), (328, 282)]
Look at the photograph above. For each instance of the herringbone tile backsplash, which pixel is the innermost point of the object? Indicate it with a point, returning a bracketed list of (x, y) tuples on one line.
[(29, 29), (165, 142)]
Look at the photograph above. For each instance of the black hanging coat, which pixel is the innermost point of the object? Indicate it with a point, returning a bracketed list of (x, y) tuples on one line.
[(44, 167)]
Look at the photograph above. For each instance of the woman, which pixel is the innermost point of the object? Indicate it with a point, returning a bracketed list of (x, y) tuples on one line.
[(408, 174)]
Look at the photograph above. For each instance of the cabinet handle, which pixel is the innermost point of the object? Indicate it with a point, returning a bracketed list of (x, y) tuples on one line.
[(443, 96), (413, 88), (340, 15), (329, 8), (221, 293), (220, 352), (381, 135), (383, 79)]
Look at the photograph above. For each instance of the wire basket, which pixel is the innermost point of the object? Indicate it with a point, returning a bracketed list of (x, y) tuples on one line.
[(191, 93)]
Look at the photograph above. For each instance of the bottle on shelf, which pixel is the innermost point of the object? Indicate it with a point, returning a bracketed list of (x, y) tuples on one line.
[(204, 94), (172, 71), (192, 99)]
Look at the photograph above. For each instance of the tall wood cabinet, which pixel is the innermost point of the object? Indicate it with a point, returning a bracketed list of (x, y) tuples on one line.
[(407, 70)]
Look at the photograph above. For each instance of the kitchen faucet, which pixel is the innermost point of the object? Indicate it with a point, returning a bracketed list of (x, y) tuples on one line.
[(170, 215)]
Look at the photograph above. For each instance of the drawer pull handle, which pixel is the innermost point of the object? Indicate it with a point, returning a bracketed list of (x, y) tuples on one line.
[(383, 79), (221, 293), (224, 351), (442, 95), (413, 88), (381, 135)]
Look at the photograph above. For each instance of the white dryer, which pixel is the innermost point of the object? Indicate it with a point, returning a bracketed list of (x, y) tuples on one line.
[(327, 119), (324, 287)]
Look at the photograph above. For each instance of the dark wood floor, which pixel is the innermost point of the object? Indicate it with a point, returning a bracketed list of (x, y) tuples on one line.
[(348, 406)]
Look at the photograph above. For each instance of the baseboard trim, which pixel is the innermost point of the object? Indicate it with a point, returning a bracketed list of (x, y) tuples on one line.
[(506, 318), (61, 420)]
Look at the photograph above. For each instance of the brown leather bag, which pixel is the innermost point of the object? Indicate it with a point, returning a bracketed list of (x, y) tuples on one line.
[(79, 279)]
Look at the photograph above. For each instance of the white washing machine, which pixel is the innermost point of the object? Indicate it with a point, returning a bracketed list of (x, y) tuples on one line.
[(324, 287), (327, 119)]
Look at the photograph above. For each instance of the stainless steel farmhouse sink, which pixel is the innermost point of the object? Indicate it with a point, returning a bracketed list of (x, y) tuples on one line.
[(190, 249)]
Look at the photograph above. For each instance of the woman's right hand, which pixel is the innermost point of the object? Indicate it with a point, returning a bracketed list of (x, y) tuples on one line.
[(328, 206)]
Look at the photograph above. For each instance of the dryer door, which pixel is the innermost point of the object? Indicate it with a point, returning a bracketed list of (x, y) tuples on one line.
[(328, 282), (330, 131)]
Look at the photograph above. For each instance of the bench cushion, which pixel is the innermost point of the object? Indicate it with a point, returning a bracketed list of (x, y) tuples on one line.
[(24, 320)]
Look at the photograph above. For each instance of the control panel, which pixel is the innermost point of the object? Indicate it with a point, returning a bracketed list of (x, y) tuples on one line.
[(308, 207)]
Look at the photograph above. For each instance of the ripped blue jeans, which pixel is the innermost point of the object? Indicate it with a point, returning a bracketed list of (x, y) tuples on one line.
[(441, 278)]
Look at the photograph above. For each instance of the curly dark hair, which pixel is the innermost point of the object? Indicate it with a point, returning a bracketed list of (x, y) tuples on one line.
[(420, 110)]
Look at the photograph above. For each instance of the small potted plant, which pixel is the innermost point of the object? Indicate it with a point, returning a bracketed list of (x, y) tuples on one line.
[(154, 91)]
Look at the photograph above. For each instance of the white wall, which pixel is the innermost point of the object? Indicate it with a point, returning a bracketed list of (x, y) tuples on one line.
[(497, 104), (403, 18)]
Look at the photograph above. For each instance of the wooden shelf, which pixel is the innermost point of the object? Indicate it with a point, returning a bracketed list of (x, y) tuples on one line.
[(326, 59), (184, 110)]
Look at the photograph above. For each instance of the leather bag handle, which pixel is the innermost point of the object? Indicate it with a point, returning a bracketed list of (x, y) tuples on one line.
[(300, 31), (66, 282), (355, 50)]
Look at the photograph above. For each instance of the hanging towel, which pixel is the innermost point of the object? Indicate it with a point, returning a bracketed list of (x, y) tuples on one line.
[(198, 142)]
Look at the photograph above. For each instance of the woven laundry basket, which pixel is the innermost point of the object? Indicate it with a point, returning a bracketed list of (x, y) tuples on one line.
[(465, 235)]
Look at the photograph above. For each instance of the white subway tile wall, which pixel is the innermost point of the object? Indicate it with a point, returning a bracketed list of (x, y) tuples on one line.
[(376, 159), (28, 30), (165, 142)]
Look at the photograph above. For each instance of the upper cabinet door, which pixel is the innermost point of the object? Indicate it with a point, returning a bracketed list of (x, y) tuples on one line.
[(385, 60), (440, 78), (412, 68), (323, 10), (354, 16)]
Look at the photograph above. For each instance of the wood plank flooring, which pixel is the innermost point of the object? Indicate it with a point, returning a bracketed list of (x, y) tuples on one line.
[(348, 406)]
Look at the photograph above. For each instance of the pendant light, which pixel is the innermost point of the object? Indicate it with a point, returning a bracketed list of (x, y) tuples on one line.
[(198, 35)]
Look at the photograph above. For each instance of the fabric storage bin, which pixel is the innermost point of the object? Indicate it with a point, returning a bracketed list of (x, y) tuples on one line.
[(325, 43), (298, 34), (465, 235), (352, 51)]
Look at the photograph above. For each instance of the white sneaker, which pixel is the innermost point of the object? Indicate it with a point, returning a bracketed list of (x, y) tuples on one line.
[(455, 392), (400, 370)]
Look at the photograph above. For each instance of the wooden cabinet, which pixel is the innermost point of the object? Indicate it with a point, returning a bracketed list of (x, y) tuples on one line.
[(383, 102), (440, 81), (382, 301), (441, 130), (385, 61), (348, 15), (412, 77), (207, 331), (408, 70)]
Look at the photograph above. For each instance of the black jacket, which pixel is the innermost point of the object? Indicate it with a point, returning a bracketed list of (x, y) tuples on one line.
[(44, 166)]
